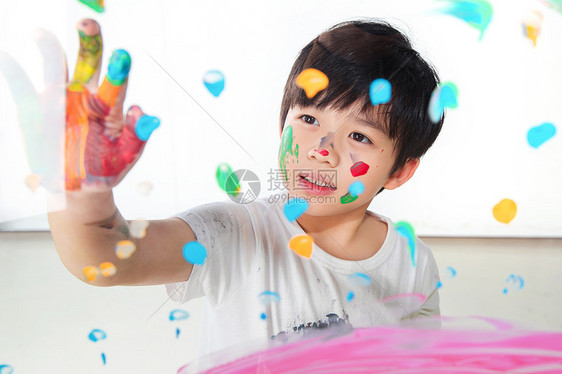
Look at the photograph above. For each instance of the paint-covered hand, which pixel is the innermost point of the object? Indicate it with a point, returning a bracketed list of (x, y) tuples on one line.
[(75, 134), (102, 145)]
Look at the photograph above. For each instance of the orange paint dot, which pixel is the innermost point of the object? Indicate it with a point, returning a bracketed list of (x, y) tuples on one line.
[(91, 273), (301, 245), (32, 181), (312, 81), (124, 249), (505, 211), (137, 228), (107, 269)]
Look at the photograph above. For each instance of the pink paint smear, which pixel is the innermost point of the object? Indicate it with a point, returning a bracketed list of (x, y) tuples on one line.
[(406, 350)]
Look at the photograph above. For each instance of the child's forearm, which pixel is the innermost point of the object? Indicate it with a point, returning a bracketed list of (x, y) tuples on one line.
[(86, 232)]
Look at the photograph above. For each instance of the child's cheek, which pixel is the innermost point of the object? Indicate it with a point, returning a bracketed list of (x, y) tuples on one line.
[(356, 188)]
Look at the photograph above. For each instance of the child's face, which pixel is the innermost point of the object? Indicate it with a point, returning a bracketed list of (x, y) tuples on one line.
[(338, 148)]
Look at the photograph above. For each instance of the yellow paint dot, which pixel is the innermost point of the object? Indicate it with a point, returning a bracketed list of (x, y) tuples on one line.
[(505, 211), (91, 273), (137, 228), (312, 81), (32, 181), (301, 245), (124, 249), (107, 269)]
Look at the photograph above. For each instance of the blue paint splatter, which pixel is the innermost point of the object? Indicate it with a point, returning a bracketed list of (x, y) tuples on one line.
[(96, 335), (178, 331), (194, 253), (380, 91), (359, 279), (263, 316), (214, 81), (119, 67), (539, 134), (451, 271), (178, 315), (103, 358), (439, 284), (406, 230), (443, 96), (356, 188), (268, 297), (145, 126), (516, 280), (477, 13), (6, 369), (350, 296), (294, 208)]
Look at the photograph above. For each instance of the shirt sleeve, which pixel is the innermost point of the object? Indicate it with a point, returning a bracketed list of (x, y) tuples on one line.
[(227, 231)]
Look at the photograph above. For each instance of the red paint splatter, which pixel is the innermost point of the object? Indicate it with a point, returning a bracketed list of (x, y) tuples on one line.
[(323, 152), (359, 168)]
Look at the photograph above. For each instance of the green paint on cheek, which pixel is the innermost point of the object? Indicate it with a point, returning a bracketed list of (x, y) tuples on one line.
[(286, 149), (348, 198)]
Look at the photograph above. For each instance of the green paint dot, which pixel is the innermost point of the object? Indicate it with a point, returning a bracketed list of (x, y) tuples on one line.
[(348, 198)]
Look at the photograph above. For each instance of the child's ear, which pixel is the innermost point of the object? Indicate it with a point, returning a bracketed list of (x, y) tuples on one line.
[(402, 175)]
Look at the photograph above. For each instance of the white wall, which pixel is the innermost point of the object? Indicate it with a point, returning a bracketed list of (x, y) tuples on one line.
[(506, 86), (46, 313)]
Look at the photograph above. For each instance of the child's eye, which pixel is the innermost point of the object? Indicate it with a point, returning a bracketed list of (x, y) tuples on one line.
[(360, 137), (309, 119)]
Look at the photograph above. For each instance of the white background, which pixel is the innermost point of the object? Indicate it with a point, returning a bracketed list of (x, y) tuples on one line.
[(506, 86)]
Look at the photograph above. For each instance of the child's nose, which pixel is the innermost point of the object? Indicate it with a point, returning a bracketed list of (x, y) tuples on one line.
[(323, 154)]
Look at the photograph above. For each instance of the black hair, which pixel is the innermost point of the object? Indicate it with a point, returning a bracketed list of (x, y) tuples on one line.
[(353, 54)]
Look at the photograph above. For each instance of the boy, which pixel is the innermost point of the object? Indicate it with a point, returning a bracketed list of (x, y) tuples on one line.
[(336, 132)]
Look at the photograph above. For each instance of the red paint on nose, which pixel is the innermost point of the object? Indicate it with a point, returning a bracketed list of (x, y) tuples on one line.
[(323, 152), (359, 168)]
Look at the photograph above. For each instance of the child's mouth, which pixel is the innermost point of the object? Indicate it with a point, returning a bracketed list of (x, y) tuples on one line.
[(315, 187)]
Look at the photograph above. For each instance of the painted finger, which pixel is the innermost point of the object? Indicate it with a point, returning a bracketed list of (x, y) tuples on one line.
[(140, 124), (54, 61), (87, 70), (114, 86)]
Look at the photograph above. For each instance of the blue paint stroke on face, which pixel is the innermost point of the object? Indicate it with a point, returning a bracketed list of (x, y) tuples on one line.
[(194, 253), (294, 208), (537, 135), (380, 91), (477, 13), (406, 230), (356, 188), (359, 279), (268, 297), (96, 335), (178, 315), (214, 81), (350, 295), (6, 369)]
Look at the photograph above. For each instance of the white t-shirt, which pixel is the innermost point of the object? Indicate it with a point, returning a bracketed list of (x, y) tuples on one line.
[(248, 253)]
